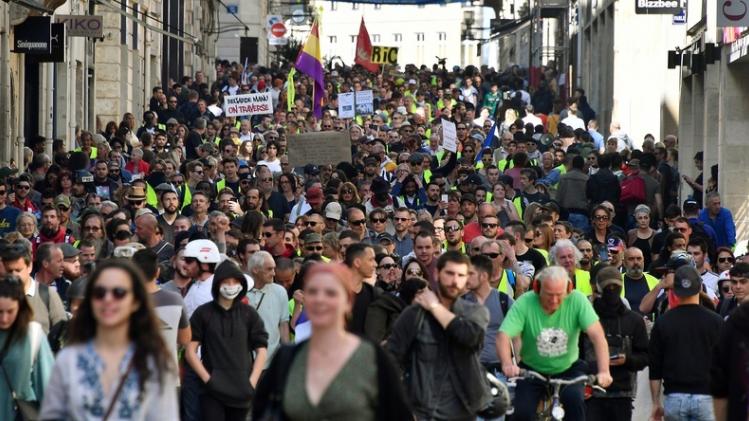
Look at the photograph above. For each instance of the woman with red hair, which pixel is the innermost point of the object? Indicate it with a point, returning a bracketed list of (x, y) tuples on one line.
[(335, 374)]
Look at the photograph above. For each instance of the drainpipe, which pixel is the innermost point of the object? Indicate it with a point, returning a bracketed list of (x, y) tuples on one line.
[(5, 88)]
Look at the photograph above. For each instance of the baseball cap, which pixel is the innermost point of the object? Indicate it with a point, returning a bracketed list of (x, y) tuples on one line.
[(468, 197), (687, 281), (333, 211), (385, 237), (608, 275), (312, 237), (678, 259), (62, 199), (314, 196), (690, 205), (311, 169)]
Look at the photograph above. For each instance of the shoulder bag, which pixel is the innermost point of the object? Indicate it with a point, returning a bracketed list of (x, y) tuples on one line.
[(25, 409)]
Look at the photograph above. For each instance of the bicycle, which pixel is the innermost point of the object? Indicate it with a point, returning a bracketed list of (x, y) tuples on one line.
[(550, 408)]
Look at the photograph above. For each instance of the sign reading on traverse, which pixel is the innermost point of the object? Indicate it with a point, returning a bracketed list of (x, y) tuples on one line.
[(659, 7), (250, 104), (384, 55)]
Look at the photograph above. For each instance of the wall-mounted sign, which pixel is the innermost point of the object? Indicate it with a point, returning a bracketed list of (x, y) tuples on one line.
[(34, 36), (277, 31), (82, 25), (232, 9), (659, 7), (57, 53), (680, 18), (732, 14)]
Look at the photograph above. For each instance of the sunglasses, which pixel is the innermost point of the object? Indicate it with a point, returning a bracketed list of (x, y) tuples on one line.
[(389, 266), (310, 223), (23, 187), (401, 219), (136, 202), (528, 240), (63, 208), (122, 235), (359, 222), (99, 293), (452, 229), (613, 251), (379, 220), (488, 225), (725, 289), (601, 218), (313, 248), (492, 255), (267, 234), (726, 260), (412, 272)]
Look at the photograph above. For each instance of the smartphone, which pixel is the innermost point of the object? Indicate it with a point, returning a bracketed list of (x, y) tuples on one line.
[(444, 198), (615, 356), (603, 254)]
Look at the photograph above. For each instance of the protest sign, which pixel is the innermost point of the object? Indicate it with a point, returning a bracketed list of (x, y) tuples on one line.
[(449, 136), (346, 105), (384, 55), (319, 148), (250, 104), (364, 102)]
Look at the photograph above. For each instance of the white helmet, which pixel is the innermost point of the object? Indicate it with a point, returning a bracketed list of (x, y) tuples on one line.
[(203, 250)]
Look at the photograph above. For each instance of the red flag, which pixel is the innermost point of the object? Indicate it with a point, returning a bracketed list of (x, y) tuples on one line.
[(364, 49)]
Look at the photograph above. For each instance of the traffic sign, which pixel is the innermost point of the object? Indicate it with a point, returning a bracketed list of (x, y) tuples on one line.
[(278, 29)]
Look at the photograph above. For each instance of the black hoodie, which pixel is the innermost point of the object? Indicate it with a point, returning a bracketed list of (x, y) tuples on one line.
[(729, 376), (228, 338)]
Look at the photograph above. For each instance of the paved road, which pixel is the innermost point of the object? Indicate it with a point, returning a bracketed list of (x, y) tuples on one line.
[(643, 403)]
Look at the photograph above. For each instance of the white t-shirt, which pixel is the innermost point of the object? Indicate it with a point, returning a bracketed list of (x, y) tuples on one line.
[(574, 121), (274, 166), (199, 294)]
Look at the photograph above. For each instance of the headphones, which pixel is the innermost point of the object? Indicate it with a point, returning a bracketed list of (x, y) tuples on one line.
[(536, 286)]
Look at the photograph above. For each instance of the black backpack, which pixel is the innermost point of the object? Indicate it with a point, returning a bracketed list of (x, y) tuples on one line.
[(699, 232)]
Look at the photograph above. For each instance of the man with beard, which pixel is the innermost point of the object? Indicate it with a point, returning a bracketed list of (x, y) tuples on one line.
[(51, 231), (437, 341), (49, 270), (103, 184), (434, 201), (360, 258), (87, 256), (404, 244), (71, 265), (637, 283), (182, 280), (628, 348), (62, 203), (454, 236), (169, 200), (409, 191), (586, 263), (145, 229), (357, 222)]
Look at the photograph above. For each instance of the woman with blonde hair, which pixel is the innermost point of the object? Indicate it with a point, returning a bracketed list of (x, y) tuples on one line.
[(348, 195)]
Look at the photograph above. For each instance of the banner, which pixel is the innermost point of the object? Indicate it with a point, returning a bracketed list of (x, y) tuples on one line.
[(319, 148), (250, 104)]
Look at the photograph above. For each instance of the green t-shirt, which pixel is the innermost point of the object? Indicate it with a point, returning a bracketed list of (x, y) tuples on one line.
[(550, 341)]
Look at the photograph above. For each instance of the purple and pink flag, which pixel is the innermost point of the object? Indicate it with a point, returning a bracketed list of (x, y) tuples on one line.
[(309, 62)]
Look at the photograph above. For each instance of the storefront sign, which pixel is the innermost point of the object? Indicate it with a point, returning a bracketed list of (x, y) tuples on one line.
[(732, 13), (34, 36), (82, 25), (739, 49), (659, 7), (57, 54)]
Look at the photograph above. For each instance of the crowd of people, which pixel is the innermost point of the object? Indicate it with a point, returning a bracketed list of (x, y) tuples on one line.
[(180, 266)]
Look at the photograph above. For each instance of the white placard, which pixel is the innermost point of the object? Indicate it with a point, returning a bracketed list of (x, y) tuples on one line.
[(250, 104), (346, 105), (449, 136), (364, 102)]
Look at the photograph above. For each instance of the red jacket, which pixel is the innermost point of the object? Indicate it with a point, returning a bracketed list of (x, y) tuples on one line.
[(143, 167), (62, 236)]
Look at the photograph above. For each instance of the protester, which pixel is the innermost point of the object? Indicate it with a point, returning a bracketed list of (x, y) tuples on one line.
[(334, 373), (115, 347), (25, 358)]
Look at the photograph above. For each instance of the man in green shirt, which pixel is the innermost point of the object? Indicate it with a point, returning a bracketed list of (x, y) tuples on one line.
[(549, 320)]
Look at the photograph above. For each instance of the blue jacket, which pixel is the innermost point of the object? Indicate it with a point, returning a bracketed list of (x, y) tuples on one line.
[(725, 229)]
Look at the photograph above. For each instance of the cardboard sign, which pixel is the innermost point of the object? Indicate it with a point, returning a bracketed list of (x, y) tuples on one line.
[(384, 55), (449, 136), (250, 104), (319, 148)]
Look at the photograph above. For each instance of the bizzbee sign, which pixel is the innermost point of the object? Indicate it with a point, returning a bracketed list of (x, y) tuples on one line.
[(659, 7)]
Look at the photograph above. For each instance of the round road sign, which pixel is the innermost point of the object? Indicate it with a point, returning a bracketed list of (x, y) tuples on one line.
[(278, 29)]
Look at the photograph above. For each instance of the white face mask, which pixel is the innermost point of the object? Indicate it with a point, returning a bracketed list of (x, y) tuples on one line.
[(230, 292)]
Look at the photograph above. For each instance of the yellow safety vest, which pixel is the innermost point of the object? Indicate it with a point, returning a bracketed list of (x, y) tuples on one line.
[(151, 197), (651, 280), (94, 152), (582, 282), (187, 198), (545, 253), (504, 284)]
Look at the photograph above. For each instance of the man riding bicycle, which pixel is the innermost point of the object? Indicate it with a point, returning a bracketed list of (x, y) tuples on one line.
[(549, 320)]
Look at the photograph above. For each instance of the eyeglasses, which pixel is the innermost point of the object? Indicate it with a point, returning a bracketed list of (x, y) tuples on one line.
[(310, 223), (492, 255), (468, 150), (63, 208), (92, 229), (726, 260), (452, 229), (414, 272), (379, 220), (359, 222), (347, 191), (488, 225), (313, 248), (601, 218), (23, 187), (388, 266), (613, 251), (99, 293)]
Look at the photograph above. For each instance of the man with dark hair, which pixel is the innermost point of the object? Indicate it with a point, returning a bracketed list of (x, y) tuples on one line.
[(739, 274), (273, 232), (437, 342), (681, 347), (169, 307), (697, 247), (48, 266), (571, 194), (424, 250), (51, 231), (45, 301), (524, 253), (360, 258)]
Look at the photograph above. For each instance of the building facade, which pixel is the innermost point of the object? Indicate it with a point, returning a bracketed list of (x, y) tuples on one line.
[(144, 44)]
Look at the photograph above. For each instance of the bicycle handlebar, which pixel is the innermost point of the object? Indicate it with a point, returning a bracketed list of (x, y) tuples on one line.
[(584, 379)]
